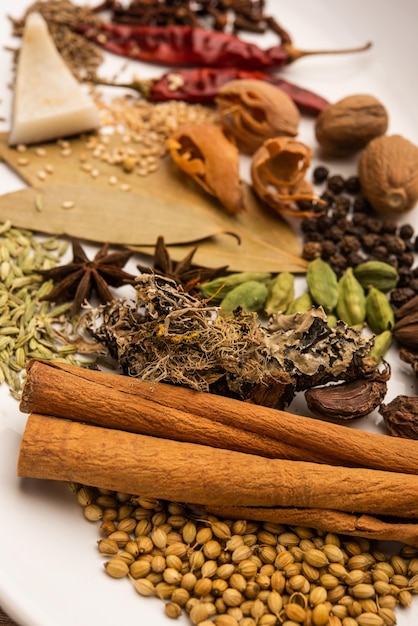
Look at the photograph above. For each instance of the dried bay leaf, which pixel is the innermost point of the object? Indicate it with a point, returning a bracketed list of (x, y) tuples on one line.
[(166, 203), (102, 215)]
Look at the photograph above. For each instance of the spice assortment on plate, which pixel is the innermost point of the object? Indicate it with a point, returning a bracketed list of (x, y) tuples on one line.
[(219, 302)]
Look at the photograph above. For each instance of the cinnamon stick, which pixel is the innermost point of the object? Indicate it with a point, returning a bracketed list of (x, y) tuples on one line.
[(64, 393), (90, 395), (327, 520), (58, 449)]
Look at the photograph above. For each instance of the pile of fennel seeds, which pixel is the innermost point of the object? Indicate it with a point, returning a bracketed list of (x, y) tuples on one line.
[(29, 327)]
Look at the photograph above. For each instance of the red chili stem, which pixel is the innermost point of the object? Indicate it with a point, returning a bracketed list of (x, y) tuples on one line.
[(186, 46), (201, 85)]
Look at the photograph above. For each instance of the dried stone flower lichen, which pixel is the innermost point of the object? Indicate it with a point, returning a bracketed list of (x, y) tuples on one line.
[(168, 335)]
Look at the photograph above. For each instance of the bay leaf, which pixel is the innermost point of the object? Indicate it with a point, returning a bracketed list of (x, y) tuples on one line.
[(98, 214), (167, 203)]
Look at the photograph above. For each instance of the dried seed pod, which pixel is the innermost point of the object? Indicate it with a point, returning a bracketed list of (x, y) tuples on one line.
[(249, 296), (217, 288), (278, 168), (351, 303), (205, 153), (346, 401), (379, 313), (281, 291), (401, 416), (253, 111), (322, 284), (349, 124), (377, 274), (388, 172)]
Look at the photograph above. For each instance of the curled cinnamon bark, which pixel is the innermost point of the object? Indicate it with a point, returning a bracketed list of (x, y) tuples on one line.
[(60, 449)]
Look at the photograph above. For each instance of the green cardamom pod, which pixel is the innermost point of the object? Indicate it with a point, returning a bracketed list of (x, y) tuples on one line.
[(377, 274), (379, 312), (281, 291), (382, 343), (351, 305), (218, 288), (322, 284), (249, 296), (300, 304), (332, 321)]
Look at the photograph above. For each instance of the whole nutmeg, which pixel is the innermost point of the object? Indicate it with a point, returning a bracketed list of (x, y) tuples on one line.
[(348, 125), (388, 173), (254, 111)]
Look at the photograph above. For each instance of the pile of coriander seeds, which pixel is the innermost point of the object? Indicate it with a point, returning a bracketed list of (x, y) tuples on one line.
[(244, 573)]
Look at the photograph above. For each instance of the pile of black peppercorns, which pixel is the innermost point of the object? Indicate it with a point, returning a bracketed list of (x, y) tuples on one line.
[(346, 232)]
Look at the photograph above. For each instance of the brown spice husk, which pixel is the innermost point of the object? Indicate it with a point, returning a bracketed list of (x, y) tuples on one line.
[(58, 449), (123, 402), (401, 416), (348, 401)]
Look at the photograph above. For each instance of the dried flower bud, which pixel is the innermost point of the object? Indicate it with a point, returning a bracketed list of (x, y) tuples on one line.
[(205, 153), (253, 111), (401, 416)]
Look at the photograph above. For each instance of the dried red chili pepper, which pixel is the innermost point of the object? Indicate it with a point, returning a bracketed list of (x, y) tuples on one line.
[(187, 46), (201, 85)]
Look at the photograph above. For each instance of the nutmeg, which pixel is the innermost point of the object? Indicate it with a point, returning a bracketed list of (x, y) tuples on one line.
[(388, 173), (254, 111), (348, 125)]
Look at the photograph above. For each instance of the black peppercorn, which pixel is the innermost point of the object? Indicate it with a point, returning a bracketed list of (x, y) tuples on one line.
[(329, 248), (312, 250), (309, 225), (369, 241), (352, 185), (388, 226), (361, 204), (328, 197), (335, 233), (414, 285), (320, 174), (406, 231), (380, 253), (401, 296), (406, 259), (336, 184), (355, 258), (373, 225), (405, 276), (349, 243)]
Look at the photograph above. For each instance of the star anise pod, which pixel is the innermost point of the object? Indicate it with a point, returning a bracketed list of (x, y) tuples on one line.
[(79, 279), (183, 272)]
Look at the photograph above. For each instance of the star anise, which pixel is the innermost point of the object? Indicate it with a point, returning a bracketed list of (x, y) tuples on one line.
[(183, 272), (79, 279)]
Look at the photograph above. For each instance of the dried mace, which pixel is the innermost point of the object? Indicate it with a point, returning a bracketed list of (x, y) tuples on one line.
[(77, 280)]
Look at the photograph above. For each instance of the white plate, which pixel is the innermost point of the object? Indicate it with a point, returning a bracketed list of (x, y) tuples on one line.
[(50, 571)]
